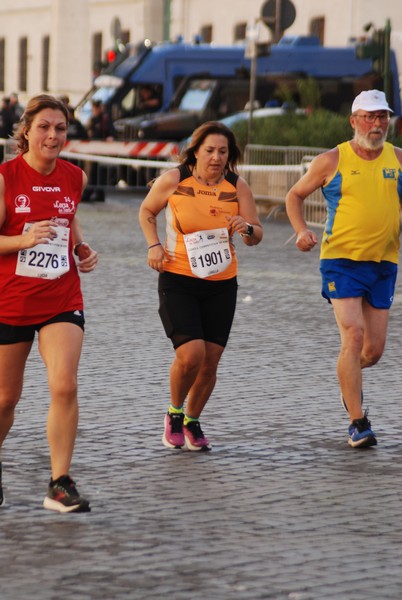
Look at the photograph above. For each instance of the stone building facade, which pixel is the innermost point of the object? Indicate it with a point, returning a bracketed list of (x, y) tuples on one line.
[(57, 45)]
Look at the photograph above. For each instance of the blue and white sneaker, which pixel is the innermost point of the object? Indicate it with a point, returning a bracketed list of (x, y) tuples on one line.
[(344, 403), (361, 434)]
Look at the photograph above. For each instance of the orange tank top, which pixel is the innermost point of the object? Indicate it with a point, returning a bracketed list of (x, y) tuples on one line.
[(195, 207)]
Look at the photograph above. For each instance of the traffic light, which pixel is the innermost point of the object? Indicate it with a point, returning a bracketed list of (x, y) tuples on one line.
[(376, 47), (115, 53), (373, 48), (110, 55)]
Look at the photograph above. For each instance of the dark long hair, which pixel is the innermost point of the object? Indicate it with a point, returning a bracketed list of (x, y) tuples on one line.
[(34, 106), (210, 128)]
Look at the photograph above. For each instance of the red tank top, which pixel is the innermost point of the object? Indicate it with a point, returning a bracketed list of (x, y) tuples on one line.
[(31, 196)]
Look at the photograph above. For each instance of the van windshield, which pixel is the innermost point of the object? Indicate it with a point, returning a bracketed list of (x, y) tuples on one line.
[(197, 95), (83, 112)]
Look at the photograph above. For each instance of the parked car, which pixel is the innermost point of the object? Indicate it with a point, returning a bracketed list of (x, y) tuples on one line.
[(260, 113)]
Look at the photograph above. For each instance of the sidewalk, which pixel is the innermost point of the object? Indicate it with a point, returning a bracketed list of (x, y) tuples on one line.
[(281, 509)]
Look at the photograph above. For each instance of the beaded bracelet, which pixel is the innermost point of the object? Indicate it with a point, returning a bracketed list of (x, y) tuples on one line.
[(153, 245)]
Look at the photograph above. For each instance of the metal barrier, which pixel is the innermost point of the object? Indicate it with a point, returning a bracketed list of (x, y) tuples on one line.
[(256, 154), (272, 185), (269, 182)]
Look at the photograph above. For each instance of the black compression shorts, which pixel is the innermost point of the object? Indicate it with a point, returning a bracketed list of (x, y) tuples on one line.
[(191, 308)]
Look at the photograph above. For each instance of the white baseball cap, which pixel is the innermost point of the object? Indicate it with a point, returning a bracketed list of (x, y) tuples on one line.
[(370, 100)]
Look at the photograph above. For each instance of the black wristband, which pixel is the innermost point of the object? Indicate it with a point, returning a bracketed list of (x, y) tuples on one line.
[(76, 246)]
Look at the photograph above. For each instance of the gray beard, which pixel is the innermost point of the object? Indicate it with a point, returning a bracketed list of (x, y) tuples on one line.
[(364, 141)]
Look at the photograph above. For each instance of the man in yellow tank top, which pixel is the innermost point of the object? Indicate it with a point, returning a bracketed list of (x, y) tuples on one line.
[(361, 181)]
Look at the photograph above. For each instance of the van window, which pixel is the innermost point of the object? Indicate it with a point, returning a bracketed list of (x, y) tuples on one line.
[(140, 99), (197, 95), (84, 112)]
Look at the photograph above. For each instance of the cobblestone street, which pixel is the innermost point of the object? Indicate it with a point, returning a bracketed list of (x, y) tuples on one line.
[(281, 509)]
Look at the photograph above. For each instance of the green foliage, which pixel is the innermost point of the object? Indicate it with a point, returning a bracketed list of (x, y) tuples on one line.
[(396, 140), (320, 129), (309, 93)]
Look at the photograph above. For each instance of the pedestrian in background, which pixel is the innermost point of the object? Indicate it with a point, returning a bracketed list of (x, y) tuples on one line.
[(75, 129), (205, 203), (100, 128), (40, 287), (361, 181), (16, 107), (6, 118)]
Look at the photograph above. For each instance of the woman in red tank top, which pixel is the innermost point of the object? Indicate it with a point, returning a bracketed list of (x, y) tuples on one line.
[(40, 286)]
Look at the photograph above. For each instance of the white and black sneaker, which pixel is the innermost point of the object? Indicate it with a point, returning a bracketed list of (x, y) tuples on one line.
[(2, 499), (62, 495), (344, 403)]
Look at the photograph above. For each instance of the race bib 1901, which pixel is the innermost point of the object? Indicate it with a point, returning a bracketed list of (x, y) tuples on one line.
[(47, 261), (208, 251)]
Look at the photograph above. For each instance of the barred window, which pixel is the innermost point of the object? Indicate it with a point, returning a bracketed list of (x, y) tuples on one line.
[(240, 32), (317, 28), (45, 63), (23, 64), (206, 33), (96, 53), (2, 63)]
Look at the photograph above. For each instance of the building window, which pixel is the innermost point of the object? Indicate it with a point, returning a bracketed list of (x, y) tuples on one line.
[(2, 63), (23, 64), (125, 37), (96, 54), (240, 32), (45, 63), (317, 28), (166, 19), (206, 33)]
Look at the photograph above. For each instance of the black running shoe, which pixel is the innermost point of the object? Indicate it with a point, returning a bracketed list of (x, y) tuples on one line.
[(360, 433), (2, 499), (62, 496)]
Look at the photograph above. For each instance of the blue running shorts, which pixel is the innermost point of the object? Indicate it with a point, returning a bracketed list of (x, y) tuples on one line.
[(373, 281)]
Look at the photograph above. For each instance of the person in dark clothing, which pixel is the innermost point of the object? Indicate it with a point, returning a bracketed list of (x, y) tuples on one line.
[(16, 107), (6, 119), (100, 127), (75, 129)]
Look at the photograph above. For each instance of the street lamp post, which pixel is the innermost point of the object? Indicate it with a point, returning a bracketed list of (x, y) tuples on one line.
[(252, 35)]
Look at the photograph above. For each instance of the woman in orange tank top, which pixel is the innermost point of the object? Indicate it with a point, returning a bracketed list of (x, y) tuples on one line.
[(206, 204)]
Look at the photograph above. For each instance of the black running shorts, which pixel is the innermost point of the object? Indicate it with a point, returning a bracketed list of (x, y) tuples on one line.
[(191, 308), (13, 334)]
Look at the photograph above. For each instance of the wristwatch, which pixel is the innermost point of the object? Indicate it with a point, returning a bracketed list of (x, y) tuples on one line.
[(249, 232)]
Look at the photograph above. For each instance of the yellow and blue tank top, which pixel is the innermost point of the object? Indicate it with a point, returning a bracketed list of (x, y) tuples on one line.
[(196, 207), (363, 206)]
